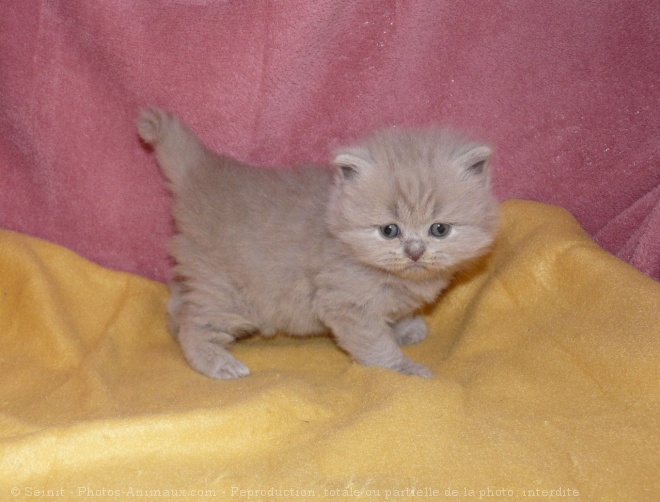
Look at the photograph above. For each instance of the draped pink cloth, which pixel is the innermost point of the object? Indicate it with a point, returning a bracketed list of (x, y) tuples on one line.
[(566, 92)]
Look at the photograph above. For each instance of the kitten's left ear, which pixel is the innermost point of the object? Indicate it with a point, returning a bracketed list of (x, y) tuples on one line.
[(352, 162), (475, 161)]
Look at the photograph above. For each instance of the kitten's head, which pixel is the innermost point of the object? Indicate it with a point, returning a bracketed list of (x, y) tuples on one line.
[(414, 203)]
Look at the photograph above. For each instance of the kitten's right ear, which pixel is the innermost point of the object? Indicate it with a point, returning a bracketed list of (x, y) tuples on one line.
[(352, 162), (475, 161)]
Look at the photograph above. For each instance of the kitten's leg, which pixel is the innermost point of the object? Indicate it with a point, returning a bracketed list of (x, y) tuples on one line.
[(374, 346), (177, 148), (410, 330), (204, 337), (174, 305), (205, 350)]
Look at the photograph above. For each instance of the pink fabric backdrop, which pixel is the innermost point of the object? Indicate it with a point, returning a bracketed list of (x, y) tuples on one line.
[(566, 91)]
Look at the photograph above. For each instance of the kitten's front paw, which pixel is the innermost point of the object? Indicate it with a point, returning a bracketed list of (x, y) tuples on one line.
[(408, 367), (408, 331)]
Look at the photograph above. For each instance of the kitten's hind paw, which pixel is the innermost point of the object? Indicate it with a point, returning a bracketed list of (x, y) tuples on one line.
[(408, 331), (150, 124), (408, 367), (229, 368), (206, 353)]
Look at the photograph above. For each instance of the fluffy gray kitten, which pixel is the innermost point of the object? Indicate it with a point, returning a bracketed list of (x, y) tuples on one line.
[(354, 250)]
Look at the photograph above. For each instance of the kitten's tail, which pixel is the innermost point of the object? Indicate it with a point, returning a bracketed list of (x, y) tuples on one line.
[(177, 148)]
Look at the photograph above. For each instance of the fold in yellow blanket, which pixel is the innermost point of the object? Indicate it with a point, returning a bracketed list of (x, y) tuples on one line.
[(546, 385)]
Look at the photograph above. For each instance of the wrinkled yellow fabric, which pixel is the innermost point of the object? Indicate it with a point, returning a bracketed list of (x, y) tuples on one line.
[(546, 384)]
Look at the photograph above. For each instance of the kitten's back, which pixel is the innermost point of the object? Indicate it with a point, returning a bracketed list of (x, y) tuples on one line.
[(219, 197)]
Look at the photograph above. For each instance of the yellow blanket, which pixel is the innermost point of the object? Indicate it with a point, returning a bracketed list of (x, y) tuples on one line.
[(546, 385)]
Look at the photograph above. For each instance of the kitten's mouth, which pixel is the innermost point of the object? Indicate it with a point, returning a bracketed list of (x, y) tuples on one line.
[(414, 270), (415, 266)]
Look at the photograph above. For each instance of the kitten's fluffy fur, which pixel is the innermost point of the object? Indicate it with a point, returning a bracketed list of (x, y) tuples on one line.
[(309, 250)]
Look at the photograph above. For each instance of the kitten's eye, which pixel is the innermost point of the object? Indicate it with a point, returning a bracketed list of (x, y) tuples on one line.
[(389, 231), (440, 230)]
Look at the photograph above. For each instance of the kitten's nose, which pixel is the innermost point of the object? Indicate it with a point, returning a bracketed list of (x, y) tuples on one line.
[(414, 251)]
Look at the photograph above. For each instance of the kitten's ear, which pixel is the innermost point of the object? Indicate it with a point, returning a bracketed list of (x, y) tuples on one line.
[(352, 162), (475, 161)]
